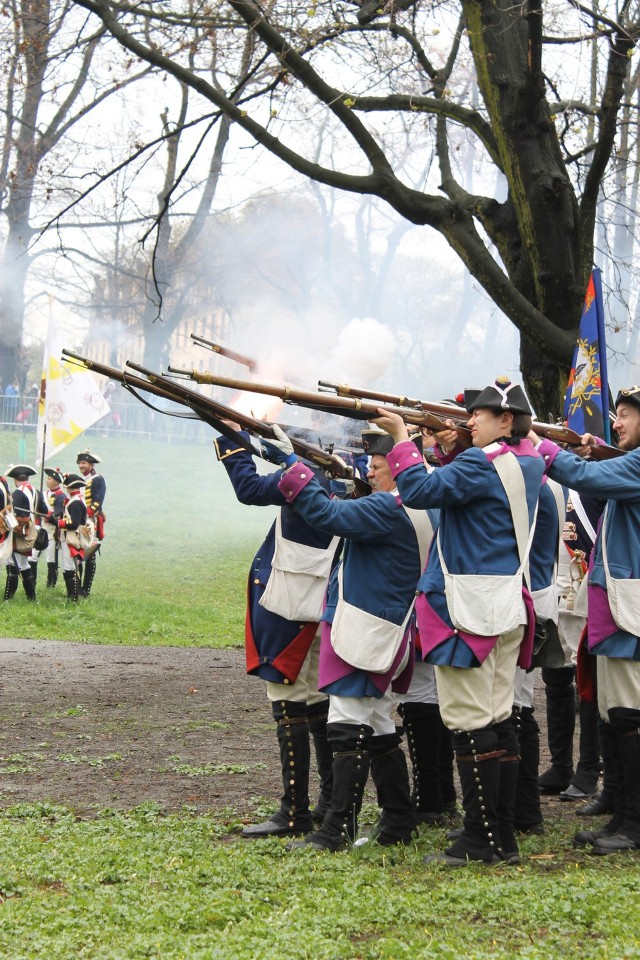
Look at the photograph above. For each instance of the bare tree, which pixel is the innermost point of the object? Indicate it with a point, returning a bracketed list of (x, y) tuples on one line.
[(49, 52), (374, 68)]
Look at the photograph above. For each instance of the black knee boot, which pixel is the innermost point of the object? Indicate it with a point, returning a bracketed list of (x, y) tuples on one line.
[(34, 570), (391, 778), (627, 735), (585, 780), (72, 584), (560, 692), (293, 817), (88, 575), (584, 838), (445, 770), (423, 728), (477, 757), (52, 573), (29, 584), (603, 802), (12, 582), (317, 717), (527, 813), (350, 771), (508, 763)]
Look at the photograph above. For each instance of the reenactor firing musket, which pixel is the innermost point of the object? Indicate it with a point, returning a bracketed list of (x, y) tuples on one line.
[(552, 431), (353, 408), (217, 414), (224, 352)]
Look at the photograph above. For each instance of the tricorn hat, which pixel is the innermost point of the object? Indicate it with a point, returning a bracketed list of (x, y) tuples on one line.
[(72, 481), (54, 472), (88, 456), (18, 470), (502, 395), (376, 441), (629, 395)]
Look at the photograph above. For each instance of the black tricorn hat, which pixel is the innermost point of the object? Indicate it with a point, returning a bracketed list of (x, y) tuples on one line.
[(502, 395), (376, 441), (19, 470), (72, 481), (629, 395), (55, 473), (88, 456)]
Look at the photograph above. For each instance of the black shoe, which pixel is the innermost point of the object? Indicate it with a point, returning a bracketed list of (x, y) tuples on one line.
[(532, 829), (315, 842), (273, 828), (598, 805), (587, 838), (551, 782), (615, 843), (454, 834), (574, 793), (431, 819)]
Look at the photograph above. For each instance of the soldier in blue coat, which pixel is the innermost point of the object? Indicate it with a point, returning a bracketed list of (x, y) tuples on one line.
[(480, 626), (614, 608), (286, 585), (366, 649)]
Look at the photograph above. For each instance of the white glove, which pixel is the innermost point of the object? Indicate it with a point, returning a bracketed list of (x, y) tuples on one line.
[(280, 449)]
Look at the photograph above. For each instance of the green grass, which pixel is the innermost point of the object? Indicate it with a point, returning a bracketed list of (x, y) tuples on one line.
[(173, 567), (140, 884)]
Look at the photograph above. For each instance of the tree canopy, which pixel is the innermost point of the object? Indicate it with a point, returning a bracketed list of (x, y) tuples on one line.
[(539, 91)]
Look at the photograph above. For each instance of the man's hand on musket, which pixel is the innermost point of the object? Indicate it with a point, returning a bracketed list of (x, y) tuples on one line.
[(280, 449), (392, 424), (231, 424), (588, 441), (447, 440)]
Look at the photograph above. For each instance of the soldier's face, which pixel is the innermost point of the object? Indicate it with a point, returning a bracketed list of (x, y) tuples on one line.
[(84, 467), (486, 426), (627, 426), (379, 474)]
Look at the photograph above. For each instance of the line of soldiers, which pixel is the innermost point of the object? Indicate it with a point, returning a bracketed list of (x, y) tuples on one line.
[(434, 592), (65, 523)]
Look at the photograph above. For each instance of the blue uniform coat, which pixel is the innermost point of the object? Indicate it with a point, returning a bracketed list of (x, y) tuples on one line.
[(275, 648)]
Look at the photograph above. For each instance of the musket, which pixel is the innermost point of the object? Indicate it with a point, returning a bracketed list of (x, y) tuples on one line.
[(351, 407), (216, 414), (224, 352), (329, 462), (552, 431)]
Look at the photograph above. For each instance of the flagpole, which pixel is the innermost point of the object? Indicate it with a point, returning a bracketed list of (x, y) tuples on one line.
[(44, 447)]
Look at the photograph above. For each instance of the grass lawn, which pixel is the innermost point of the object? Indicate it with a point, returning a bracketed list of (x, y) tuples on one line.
[(174, 563), (139, 884)]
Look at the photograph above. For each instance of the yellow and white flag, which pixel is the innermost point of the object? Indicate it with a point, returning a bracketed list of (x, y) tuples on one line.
[(70, 399)]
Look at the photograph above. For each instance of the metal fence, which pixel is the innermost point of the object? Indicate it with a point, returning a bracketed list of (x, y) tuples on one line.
[(133, 419)]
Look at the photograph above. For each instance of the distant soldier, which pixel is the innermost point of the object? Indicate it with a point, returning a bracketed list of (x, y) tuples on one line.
[(72, 525), (94, 493), (27, 502), (55, 498), (6, 523)]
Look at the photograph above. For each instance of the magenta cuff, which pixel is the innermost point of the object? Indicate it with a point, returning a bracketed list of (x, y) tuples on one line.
[(548, 450), (403, 456), (294, 480)]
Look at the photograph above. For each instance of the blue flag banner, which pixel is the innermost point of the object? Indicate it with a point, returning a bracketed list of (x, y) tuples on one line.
[(586, 403)]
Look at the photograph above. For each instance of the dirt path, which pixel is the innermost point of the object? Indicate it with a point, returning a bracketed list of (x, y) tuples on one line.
[(101, 726)]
